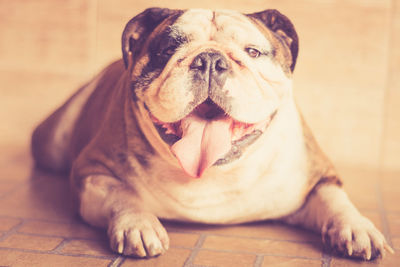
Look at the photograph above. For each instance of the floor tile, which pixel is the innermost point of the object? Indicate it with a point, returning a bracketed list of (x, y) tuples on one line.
[(289, 262), (267, 230), (8, 223), (269, 247), (30, 242), (70, 230), (88, 247), (173, 257), (222, 259), (183, 239), (45, 197), (21, 259)]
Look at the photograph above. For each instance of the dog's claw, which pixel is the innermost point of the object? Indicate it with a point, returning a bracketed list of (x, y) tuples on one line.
[(388, 248), (120, 248), (368, 254), (349, 248)]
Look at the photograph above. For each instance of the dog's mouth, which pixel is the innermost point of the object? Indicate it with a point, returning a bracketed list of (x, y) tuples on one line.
[(208, 136)]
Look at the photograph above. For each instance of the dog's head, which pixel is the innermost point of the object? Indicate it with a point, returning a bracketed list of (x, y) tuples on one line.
[(211, 81)]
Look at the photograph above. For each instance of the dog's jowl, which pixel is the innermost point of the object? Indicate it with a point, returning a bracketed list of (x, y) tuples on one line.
[(197, 123)]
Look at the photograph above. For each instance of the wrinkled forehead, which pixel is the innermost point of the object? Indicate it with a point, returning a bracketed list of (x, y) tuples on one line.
[(220, 26)]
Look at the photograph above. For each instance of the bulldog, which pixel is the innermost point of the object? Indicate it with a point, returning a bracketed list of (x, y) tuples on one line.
[(197, 123)]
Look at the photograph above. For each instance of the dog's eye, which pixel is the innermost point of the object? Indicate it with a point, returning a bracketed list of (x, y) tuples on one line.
[(253, 52)]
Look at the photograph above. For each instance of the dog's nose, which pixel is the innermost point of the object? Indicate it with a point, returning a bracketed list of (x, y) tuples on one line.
[(214, 62), (211, 67)]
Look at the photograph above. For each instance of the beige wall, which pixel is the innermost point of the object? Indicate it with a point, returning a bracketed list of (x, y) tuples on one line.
[(347, 80)]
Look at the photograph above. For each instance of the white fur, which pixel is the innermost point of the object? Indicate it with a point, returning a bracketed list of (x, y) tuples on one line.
[(230, 193)]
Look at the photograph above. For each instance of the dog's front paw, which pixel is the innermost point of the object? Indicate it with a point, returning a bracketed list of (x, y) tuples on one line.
[(354, 236), (137, 234)]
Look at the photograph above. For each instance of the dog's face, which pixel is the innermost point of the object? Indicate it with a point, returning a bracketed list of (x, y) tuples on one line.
[(210, 81)]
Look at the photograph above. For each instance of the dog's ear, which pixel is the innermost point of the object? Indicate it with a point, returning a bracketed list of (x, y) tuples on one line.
[(140, 27), (283, 27)]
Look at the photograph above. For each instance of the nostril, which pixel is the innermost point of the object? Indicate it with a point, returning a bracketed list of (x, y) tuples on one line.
[(198, 63), (221, 65)]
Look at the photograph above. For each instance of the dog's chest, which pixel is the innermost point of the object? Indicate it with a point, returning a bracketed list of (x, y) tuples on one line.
[(230, 199), (270, 181)]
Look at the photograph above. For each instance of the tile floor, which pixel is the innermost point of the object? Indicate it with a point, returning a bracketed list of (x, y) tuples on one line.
[(347, 84)]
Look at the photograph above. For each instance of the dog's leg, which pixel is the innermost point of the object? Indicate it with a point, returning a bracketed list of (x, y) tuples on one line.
[(329, 211), (107, 203)]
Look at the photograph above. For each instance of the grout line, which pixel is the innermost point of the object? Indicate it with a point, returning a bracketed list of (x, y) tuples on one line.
[(65, 223), (188, 262), (60, 246), (258, 261), (200, 241), (13, 230), (195, 251), (66, 237), (262, 254), (326, 260), (250, 237), (117, 262), (78, 222), (72, 220)]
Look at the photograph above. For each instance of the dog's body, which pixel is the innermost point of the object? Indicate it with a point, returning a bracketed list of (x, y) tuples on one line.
[(202, 94)]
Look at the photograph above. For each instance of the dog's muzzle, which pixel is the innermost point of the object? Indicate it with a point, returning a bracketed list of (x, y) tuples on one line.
[(211, 67), (208, 134)]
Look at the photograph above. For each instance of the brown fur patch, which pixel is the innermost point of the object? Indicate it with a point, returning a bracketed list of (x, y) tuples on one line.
[(283, 28), (281, 53), (321, 170)]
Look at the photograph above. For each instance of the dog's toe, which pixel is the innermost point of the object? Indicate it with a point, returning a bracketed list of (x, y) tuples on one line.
[(133, 244), (137, 234), (151, 242), (355, 237)]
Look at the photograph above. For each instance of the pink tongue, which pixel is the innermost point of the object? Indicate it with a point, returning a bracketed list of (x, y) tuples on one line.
[(203, 142)]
